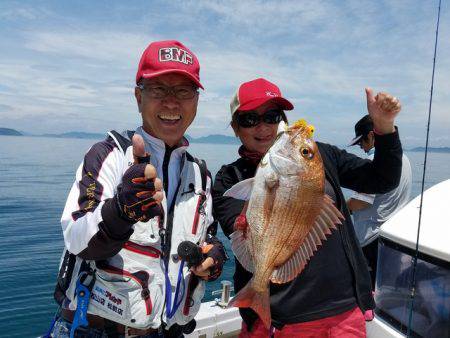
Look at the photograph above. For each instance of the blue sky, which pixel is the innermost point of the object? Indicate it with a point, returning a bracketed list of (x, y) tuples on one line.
[(69, 66)]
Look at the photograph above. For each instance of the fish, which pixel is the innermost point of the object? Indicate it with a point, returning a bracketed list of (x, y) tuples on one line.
[(288, 215)]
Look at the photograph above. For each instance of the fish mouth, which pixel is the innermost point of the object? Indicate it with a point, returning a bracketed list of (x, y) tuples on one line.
[(284, 165), (281, 159)]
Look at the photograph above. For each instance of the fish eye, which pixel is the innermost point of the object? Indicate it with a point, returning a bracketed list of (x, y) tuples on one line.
[(306, 153)]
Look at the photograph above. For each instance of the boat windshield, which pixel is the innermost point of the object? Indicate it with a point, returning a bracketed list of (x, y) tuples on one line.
[(431, 307)]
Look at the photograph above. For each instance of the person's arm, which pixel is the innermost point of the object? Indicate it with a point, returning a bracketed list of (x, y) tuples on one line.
[(355, 205), (383, 173), (213, 249), (360, 201), (85, 232), (226, 209), (97, 218)]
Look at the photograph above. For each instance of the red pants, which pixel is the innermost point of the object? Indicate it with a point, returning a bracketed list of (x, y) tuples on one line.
[(350, 324)]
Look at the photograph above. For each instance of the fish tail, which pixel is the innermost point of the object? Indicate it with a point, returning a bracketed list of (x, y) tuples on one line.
[(258, 301)]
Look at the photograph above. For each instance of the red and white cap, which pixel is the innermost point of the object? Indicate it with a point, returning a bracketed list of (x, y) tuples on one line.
[(252, 94), (170, 56)]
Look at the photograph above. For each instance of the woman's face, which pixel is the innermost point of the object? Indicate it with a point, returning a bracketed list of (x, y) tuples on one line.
[(260, 137)]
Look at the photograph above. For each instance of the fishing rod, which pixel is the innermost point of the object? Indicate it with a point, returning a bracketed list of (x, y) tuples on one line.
[(413, 280)]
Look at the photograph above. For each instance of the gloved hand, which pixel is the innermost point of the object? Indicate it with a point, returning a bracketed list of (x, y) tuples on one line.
[(215, 254), (139, 195)]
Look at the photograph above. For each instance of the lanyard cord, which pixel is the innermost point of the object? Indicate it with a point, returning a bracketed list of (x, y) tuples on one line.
[(416, 253), (170, 311), (171, 308)]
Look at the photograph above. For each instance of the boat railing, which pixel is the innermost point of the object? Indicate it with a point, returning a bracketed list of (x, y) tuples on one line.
[(225, 293)]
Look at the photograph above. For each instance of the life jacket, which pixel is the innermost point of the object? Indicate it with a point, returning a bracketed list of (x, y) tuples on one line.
[(130, 287)]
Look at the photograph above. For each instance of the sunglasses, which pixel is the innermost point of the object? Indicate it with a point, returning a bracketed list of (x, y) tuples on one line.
[(252, 119), (157, 91)]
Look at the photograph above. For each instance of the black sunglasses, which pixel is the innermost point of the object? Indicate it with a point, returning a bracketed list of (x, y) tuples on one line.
[(252, 119)]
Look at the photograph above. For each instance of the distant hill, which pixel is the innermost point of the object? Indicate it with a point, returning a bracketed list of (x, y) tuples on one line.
[(10, 132), (77, 134), (216, 138), (223, 139), (431, 149)]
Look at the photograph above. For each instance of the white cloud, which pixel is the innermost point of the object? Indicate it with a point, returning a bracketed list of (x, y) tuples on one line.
[(19, 11), (321, 54), (104, 46)]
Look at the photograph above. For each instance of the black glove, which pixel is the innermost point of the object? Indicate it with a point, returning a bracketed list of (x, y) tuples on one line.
[(134, 195), (216, 251)]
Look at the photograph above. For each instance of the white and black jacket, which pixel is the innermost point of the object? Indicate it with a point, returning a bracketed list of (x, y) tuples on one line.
[(127, 258)]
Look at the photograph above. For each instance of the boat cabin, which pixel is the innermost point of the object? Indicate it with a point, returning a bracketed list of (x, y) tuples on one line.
[(430, 315)]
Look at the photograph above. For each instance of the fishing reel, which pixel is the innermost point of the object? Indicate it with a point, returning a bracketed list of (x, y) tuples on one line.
[(191, 253)]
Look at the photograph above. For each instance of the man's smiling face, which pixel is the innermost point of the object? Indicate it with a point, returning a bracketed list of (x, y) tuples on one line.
[(166, 118)]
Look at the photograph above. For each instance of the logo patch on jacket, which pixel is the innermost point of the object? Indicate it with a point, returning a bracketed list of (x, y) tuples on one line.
[(109, 301)]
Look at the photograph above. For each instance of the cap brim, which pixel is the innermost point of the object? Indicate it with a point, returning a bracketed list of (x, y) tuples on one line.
[(177, 71), (354, 141), (280, 101)]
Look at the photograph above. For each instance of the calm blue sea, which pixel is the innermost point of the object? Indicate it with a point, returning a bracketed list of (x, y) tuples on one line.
[(35, 177)]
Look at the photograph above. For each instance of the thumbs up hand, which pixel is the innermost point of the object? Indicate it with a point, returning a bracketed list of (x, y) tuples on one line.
[(140, 194), (383, 109)]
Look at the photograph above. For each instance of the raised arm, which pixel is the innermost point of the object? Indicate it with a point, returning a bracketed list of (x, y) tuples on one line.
[(383, 173)]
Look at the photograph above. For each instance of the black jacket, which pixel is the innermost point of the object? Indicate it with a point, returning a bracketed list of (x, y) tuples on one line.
[(342, 169)]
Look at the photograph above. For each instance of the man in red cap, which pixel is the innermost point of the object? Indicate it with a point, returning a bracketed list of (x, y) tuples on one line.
[(138, 198)]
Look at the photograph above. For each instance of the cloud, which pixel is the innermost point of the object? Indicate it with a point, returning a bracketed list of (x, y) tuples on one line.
[(18, 11), (67, 70), (102, 46), (5, 108)]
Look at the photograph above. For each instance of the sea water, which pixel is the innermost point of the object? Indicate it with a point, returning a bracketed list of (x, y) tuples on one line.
[(36, 174)]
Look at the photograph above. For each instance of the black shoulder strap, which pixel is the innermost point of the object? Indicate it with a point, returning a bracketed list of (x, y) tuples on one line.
[(203, 169), (123, 139), (203, 172)]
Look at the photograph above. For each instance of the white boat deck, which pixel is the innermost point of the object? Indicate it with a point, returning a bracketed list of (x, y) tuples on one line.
[(214, 321)]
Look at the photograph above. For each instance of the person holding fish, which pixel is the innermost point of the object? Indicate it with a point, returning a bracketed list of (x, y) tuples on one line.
[(299, 268)]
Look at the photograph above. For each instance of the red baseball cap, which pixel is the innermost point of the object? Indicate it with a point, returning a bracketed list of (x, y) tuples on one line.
[(170, 56), (252, 94)]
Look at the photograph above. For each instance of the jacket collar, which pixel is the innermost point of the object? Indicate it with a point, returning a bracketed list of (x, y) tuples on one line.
[(159, 147)]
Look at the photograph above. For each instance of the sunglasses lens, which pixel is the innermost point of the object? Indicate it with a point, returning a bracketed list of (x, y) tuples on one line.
[(272, 116), (248, 120)]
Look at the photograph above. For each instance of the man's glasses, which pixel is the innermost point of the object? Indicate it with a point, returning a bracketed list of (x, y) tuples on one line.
[(157, 91), (252, 119)]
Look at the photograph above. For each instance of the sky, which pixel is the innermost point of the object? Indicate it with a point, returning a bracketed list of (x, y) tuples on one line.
[(71, 65)]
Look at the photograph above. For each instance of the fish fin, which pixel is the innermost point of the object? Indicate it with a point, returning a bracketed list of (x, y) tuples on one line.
[(293, 266), (241, 190), (239, 245), (329, 213), (259, 302), (328, 218)]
